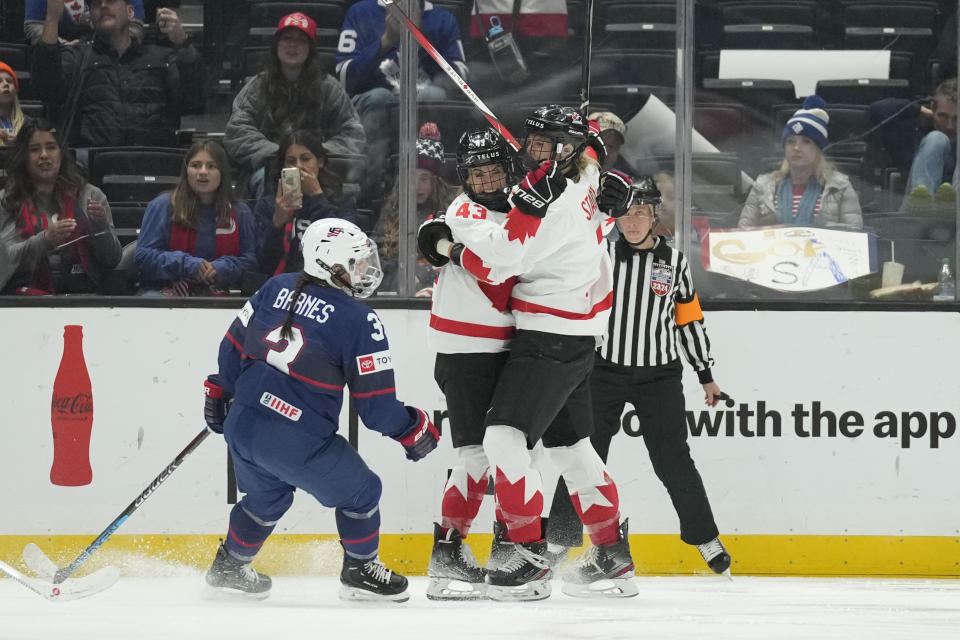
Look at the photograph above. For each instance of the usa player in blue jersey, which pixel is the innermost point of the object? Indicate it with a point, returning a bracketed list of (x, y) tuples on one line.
[(284, 362)]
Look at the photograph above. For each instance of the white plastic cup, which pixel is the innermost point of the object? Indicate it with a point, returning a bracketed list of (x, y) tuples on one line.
[(892, 274)]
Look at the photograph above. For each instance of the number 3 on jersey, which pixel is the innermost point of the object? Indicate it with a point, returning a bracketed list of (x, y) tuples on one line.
[(377, 327), (283, 352)]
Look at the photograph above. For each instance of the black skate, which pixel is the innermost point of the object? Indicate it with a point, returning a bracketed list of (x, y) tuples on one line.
[(501, 548), (453, 571), (228, 575), (557, 556), (523, 575), (604, 571), (716, 556), (371, 580)]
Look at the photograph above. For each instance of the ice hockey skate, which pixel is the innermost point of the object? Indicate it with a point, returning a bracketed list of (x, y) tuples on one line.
[(501, 547), (370, 580), (523, 575), (453, 571), (716, 556), (603, 571), (230, 576)]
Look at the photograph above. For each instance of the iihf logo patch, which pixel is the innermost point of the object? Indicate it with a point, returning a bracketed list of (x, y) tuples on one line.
[(661, 279)]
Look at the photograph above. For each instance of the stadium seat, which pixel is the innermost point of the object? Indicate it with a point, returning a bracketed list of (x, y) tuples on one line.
[(264, 17), (625, 24), (861, 90), (716, 179), (759, 24), (350, 168), (761, 95), (626, 66), (723, 124), (907, 25), (134, 174), (847, 121)]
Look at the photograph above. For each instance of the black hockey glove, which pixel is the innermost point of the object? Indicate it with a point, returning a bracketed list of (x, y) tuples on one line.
[(595, 142), (422, 438), (614, 198), (216, 403), (538, 189), (430, 233)]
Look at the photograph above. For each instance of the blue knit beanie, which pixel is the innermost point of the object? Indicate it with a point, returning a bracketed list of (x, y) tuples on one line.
[(810, 121)]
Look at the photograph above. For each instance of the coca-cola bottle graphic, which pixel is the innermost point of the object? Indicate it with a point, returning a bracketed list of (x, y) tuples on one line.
[(71, 414)]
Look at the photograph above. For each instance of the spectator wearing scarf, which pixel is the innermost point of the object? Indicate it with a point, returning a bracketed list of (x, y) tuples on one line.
[(196, 240), (56, 229), (806, 190), (280, 228)]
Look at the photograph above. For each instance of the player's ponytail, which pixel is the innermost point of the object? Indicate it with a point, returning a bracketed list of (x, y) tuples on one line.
[(287, 332)]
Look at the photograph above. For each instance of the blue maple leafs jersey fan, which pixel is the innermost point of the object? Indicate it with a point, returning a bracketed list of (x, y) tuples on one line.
[(337, 341)]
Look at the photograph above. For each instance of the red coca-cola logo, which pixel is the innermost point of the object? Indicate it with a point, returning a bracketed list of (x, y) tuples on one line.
[(76, 404)]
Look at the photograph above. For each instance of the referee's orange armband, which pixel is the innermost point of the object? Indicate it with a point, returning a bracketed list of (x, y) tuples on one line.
[(687, 312)]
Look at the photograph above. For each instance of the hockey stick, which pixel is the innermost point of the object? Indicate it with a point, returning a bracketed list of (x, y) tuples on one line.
[(38, 561), (397, 12), (587, 55), (69, 590)]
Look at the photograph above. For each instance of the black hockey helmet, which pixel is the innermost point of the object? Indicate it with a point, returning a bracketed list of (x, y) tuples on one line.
[(644, 190), (481, 147), (563, 125)]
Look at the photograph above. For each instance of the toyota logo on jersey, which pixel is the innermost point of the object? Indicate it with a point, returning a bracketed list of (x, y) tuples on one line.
[(374, 362), (661, 279)]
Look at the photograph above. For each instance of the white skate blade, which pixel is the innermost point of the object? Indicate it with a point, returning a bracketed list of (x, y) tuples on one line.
[(69, 589), (38, 562), (353, 594), (727, 574), (533, 590), (452, 589), (209, 592), (610, 588)]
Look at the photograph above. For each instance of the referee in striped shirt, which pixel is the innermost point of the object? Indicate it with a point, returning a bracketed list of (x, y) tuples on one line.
[(655, 315)]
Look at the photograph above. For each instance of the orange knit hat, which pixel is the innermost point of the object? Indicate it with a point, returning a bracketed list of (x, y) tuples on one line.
[(5, 67)]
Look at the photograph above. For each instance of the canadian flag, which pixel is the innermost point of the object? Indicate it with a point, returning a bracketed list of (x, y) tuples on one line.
[(76, 9)]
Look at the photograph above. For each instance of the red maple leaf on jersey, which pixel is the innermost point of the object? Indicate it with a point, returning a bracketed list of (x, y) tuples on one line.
[(459, 510), (522, 516), (474, 264), (520, 226)]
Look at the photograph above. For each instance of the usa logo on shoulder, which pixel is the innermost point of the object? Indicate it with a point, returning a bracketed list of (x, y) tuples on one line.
[(661, 278)]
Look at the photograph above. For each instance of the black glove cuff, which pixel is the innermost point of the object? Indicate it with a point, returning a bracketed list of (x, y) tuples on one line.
[(456, 252)]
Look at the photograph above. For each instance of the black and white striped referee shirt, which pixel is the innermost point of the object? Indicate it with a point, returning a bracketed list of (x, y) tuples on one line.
[(655, 310)]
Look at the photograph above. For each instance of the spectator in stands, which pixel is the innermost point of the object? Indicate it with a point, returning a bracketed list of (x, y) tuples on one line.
[(934, 161), (293, 92), (806, 190), (612, 132), (11, 115), (75, 24), (282, 217), (667, 216), (56, 229), (367, 64), (434, 195), (123, 93), (197, 240)]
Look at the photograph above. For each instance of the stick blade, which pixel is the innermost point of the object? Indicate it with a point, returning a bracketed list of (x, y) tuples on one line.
[(39, 562), (71, 589)]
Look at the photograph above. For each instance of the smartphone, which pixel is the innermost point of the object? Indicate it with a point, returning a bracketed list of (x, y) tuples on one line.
[(290, 181)]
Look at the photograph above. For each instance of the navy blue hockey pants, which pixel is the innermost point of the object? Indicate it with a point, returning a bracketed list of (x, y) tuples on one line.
[(274, 455)]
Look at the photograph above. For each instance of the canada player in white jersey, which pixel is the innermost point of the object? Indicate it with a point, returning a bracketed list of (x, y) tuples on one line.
[(470, 329), (552, 241)]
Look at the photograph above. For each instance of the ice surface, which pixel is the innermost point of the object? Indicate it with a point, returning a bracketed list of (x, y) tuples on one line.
[(675, 608)]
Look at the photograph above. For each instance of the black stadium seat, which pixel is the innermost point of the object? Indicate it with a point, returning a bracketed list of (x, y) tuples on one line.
[(753, 24), (862, 90), (134, 174), (760, 94), (636, 24), (626, 66), (264, 17)]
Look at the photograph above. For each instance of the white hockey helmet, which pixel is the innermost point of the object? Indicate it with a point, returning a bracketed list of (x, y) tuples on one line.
[(339, 253)]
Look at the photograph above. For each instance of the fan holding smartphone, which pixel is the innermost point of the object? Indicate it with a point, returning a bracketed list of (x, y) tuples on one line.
[(305, 192)]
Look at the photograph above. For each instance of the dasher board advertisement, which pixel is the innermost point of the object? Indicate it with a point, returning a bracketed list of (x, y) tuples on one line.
[(842, 424)]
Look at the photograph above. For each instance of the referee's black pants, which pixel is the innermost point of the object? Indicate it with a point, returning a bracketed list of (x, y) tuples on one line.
[(656, 394)]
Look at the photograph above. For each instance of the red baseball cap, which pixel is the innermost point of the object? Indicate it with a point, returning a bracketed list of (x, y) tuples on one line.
[(299, 21)]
